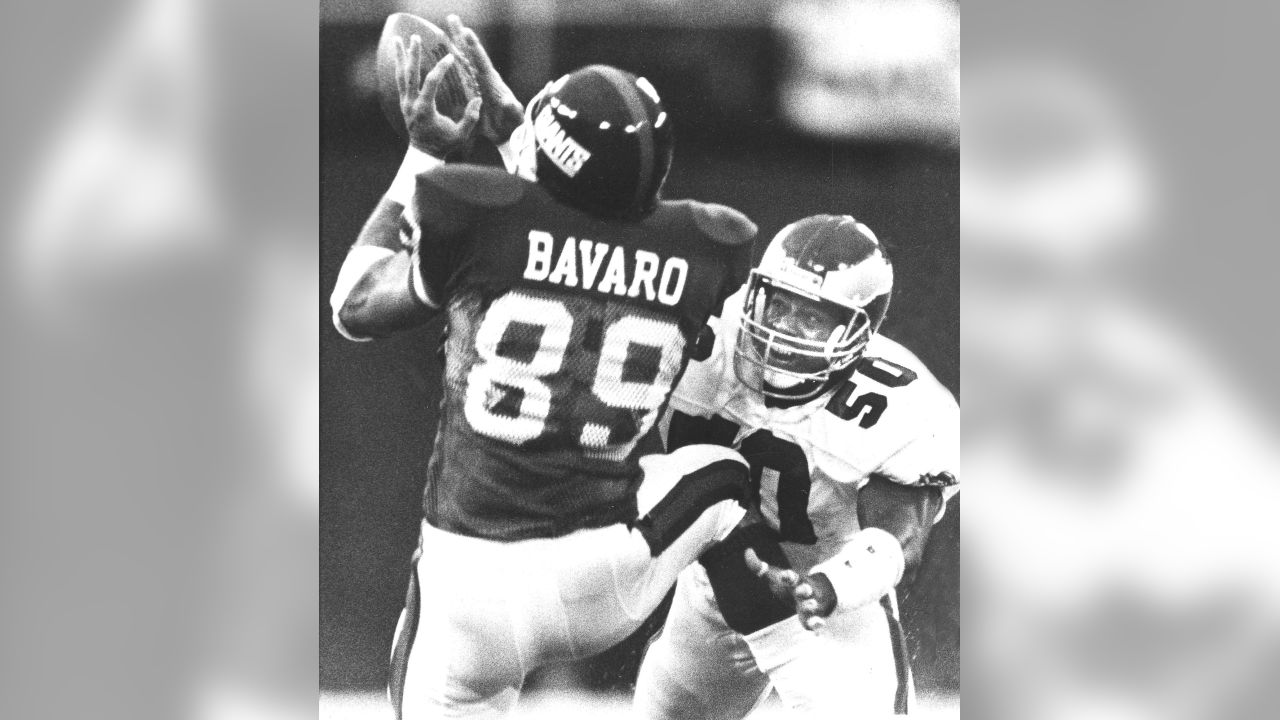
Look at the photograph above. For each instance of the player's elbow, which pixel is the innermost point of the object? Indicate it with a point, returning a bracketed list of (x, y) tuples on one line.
[(353, 320), (912, 531), (348, 317), (379, 305), (355, 313)]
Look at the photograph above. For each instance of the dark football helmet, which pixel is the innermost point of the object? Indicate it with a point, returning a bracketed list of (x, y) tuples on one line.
[(598, 139), (819, 294)]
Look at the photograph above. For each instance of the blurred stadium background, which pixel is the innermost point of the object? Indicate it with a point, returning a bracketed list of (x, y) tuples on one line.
[(782, 109)]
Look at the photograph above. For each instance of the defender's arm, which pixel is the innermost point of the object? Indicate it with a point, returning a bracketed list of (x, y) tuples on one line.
[(896, 522)]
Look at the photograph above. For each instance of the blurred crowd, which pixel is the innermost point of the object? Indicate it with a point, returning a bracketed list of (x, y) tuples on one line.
[(162, 303), (1118, 547)]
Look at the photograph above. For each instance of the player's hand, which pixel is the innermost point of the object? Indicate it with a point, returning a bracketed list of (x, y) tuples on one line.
[(502, 112), (430, 131), (815, 600), (782, 581), (813, 596)]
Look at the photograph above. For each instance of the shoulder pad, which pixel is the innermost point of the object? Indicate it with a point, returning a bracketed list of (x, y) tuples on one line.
[(890, 382), (723, 224), (477, 184)]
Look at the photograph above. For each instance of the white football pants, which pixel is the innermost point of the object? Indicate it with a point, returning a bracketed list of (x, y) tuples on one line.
[(700, 669), (489, 611)]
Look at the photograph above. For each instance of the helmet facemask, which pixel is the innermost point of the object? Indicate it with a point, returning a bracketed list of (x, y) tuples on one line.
[(793, 343)]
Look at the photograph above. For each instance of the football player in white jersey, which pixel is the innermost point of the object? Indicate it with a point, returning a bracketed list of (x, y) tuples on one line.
[(854, 450)]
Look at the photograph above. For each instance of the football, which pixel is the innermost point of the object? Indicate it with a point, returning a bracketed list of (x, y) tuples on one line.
[(459, 85)]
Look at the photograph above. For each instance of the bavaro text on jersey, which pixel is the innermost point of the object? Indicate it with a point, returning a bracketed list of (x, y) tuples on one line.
[(657, 277)]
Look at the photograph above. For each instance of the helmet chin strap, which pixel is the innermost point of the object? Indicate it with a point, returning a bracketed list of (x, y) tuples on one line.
[(754, 374)]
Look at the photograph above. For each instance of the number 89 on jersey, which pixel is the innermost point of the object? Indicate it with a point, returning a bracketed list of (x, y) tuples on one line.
[(569, 372)]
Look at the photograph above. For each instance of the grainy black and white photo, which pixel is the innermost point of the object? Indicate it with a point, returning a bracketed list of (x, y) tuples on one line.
[(603, 359), (639, 396)]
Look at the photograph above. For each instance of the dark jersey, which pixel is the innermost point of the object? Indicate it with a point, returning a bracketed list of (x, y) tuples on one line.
[(566, 334)]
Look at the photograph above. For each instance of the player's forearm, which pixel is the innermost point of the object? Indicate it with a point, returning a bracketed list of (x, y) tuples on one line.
[(868, 567), (896, 521), (907, 512), (386, 226), (383, 300), (383, 228), (379, 289)]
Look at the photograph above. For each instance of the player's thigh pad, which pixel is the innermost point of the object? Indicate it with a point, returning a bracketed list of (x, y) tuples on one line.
[(540, 601), (456, 654), (502, 609), (583, 610), (697, 668)]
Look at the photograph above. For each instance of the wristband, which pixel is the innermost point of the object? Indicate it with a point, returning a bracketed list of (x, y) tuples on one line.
[(866, 569), (414, 164)]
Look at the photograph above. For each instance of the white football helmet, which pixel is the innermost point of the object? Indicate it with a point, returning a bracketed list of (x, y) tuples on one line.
[(820, 292)]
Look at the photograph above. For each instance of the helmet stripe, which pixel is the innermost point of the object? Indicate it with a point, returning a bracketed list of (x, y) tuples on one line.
[(640, 119), (846, 227)]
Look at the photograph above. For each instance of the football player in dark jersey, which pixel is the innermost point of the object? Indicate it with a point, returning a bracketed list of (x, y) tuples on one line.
[(574, 298)]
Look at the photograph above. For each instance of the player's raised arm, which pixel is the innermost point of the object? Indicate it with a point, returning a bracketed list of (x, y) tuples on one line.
[(377, 292), (380, 289)]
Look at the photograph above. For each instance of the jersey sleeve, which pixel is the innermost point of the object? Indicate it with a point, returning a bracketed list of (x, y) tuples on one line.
[(736, 233), (932, 457), (698, 392), (446, 202), (739, 262), (892, 420)]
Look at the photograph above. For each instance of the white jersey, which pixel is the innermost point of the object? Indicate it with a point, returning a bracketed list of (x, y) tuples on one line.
[(890, 418)]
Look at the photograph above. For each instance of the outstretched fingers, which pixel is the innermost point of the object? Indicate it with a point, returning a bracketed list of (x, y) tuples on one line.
[(758, 567), (470, 118), (502, 113), (414, 77), (468, 44), (807, 606), (789, 587), (402, 68), (431, 83), (429, 129), (781, 581)]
